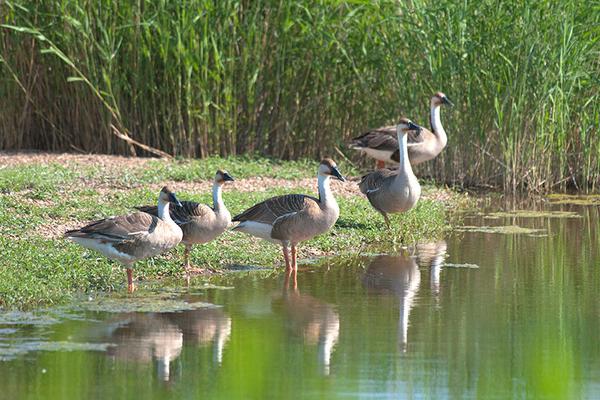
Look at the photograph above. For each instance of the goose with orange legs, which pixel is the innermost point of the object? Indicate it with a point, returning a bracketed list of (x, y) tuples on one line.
[(133, 237), (290, 219)]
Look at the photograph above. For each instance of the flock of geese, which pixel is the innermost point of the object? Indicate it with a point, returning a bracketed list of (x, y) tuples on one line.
[(285, 220)]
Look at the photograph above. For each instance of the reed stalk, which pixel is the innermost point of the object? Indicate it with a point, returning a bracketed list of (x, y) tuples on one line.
[(294, 79)]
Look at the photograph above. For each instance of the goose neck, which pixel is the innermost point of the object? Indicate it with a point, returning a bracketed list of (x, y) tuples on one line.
[(436, 124), (163, 211), (325, 194), (404, 162), (217, 196)]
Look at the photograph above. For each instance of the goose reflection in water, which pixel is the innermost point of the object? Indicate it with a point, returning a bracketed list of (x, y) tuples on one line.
[(148, 337), (398, 275), (144, 338), (208, 326), (315, 321), (432, 256)]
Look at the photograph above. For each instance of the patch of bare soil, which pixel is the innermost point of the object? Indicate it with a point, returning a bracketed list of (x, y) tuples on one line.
[(113, 165), (11, 159)]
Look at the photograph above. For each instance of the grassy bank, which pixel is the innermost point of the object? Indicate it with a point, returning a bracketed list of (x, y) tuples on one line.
[(294, 79), (42, 196)]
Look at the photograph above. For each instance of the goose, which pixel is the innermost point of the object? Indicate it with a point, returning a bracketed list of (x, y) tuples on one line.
[(381, 143), (132, 237), (292, 218), (200, 223), (394, 191)]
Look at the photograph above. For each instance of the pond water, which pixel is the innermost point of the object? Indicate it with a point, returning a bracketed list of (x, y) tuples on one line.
[(486, 313)]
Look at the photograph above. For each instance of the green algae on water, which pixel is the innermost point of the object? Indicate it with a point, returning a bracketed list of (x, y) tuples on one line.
[(532, 214), (9, 351), (460, 265), (580, 200), (504, 229), (25, 318), (146, 304)]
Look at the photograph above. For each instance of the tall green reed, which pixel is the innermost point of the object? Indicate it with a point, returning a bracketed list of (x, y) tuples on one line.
[(297, 79)]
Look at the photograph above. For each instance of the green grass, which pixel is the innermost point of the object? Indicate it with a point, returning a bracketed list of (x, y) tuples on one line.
[(39, 202)]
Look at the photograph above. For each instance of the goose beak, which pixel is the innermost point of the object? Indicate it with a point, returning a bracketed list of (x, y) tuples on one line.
[(173, 199), (337, 175), (447, 101), (414, 127), (228, 178)]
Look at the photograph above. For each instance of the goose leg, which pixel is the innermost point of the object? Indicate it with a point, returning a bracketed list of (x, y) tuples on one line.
[(130, 285), (380, 164), (294, 264), (186, 261), (186, 258), (387, 219), (286, 256), (189, 269)]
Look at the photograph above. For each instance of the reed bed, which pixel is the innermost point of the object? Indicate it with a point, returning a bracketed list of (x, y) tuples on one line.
[(297, 79)]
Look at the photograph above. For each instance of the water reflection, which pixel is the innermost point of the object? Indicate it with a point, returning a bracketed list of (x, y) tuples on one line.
[(148, 337), (524, 324), (315, 321), (432, 256), (205, 327), (399, 275), (144, 338)]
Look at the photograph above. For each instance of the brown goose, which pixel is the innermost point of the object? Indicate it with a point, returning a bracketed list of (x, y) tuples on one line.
[(129, 238), (381, 143), (200, 223), (394, 191), (292, 218)]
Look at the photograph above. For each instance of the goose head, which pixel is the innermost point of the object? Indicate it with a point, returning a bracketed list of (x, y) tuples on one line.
[(329, 168), (405, 125), (168, 196), (439, 99), (223, 176)]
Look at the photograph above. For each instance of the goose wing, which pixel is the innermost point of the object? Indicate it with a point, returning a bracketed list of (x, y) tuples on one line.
[(118, 229), (383, 138), (189, 211), (183, 214), (373, 181), (268, 211)]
